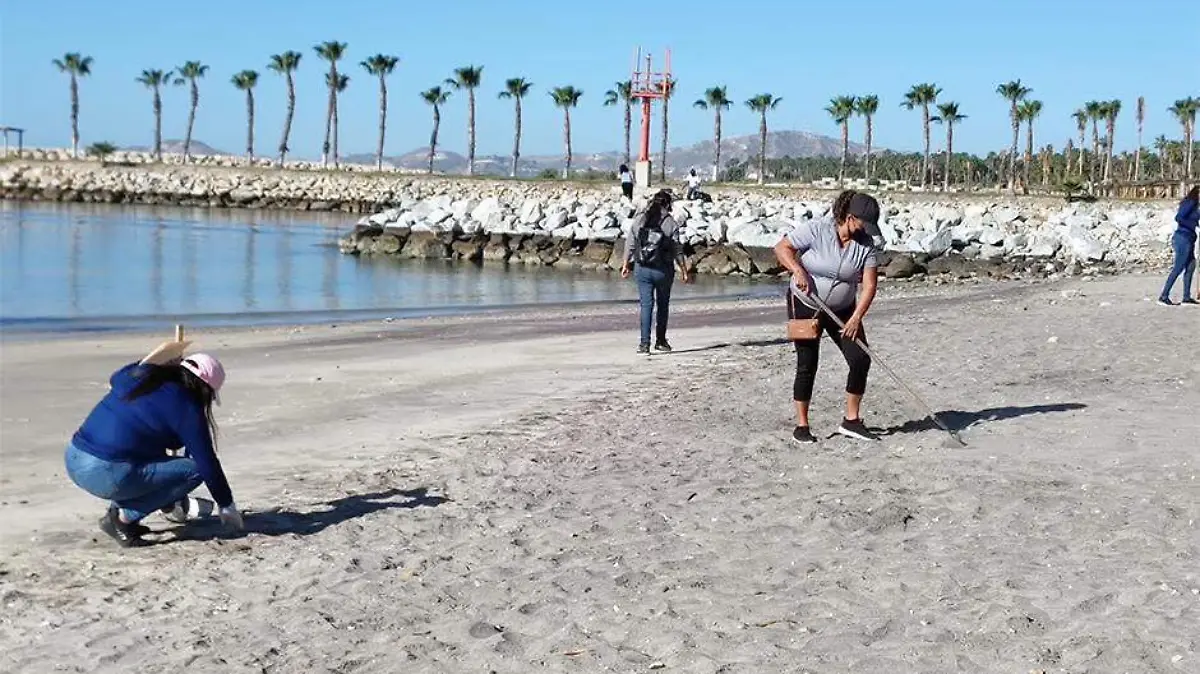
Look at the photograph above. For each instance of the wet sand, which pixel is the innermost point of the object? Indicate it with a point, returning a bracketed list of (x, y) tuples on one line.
[(521, 492)]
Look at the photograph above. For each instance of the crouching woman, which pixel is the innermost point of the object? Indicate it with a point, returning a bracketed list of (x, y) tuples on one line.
[(120, 453), (833, 258)]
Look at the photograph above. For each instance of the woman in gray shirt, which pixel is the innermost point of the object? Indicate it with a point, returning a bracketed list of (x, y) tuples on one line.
[(833, 258)]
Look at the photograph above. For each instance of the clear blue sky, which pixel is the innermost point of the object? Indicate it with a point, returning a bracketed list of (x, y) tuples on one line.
[(1069, 51)]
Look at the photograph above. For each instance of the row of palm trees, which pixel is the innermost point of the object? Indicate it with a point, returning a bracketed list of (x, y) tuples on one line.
[(922, 97)]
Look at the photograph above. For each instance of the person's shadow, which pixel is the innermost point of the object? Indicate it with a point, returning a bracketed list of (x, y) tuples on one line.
[(281, 521), (959, 420)]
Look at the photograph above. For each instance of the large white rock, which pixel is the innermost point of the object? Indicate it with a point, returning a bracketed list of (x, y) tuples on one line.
[(966, 232), (531, 212), (1041, 246), (937, 243), (555, 220), (990, 236), (1083, 245), (437, 216)]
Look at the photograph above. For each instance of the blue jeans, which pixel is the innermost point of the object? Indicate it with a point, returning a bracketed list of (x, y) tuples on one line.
[(137, 488), (654, 291), (1185, 264)]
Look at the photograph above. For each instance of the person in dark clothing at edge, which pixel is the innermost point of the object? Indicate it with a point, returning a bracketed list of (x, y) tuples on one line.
[(831, 257), (652, 250), (120, 453), (1183, 244)]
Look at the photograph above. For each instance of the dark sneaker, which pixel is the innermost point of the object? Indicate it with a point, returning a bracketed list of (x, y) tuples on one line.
[(663, 346), (803, 435), (856, 429), (1189, 300), (643, 348), (126, 535), (1166, 302)]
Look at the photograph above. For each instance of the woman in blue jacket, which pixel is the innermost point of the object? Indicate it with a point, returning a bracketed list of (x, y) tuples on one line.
[(120, 453), (1183, 241)]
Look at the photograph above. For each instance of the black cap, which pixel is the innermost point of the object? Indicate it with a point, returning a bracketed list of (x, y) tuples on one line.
[(865, 208)]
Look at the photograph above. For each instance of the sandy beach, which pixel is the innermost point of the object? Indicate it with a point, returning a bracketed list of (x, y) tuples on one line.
[(522, 492)]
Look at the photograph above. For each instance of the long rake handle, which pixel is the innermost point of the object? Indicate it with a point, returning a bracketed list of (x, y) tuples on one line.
[(927, 408)]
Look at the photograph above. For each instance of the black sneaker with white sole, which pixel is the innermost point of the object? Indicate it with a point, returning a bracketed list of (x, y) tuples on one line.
[(644, 348), (663, 346), (856, 429), (1189, 300), (126, 535), (1166, 302), (803, 435)]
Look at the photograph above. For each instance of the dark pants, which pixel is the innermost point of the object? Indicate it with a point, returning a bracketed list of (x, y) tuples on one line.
[(1184, 247), (654, 291), (808, 351), (627, 190)]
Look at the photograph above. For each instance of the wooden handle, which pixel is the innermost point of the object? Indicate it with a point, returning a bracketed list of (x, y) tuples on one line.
[(179, 333)]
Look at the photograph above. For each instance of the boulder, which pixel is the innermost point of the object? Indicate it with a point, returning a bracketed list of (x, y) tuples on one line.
[(496, 249), (470, 250), (1083, 245), (387, 244), (424, 246), (937, 243), (991, 236), (902, 266), (716, 261), (597, 252), (740, 258)]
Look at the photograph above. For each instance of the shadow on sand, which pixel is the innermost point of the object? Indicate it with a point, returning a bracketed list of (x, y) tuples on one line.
[(726, 345), (958, 420), (282, 522)]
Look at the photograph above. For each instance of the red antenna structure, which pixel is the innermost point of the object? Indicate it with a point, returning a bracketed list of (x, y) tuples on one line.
[(648, 85)]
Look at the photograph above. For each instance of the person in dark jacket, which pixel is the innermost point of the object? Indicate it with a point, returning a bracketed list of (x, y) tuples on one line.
[(1183, 243), (121, 453), (652, 251)]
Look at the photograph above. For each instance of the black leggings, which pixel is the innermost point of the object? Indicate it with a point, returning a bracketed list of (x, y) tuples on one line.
[(627, 190), (807, 352)]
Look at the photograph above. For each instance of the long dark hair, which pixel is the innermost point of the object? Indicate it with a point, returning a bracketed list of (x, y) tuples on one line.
[(659, 208), (841, 206), (1193, 194), (153, 377)]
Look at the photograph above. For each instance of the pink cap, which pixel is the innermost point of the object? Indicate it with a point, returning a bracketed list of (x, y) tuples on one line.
[(208, 369)]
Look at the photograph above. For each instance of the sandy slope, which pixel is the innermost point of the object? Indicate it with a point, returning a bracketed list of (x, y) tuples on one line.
[(523, 494)]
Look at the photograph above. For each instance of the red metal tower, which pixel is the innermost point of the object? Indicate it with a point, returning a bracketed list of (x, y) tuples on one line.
[(647, 86)]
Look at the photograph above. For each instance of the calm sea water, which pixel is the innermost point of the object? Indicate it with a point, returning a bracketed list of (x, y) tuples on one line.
[(69, 267)]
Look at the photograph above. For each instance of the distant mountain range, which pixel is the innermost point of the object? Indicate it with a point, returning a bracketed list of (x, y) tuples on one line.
[(679, 159)]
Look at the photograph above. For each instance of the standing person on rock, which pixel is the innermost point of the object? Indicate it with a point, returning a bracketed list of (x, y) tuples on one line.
[(693, 186), (120, 453), (626, 179), (833, 258), (1183, 243), (652, 251)]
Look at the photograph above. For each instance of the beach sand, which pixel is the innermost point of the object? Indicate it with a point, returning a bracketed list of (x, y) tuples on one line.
[(523, 493)]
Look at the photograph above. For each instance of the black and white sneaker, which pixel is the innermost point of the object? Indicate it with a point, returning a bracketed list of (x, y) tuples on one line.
[(1189, 300), (803, 435), (644, 348), (663, 346), (856, 429), (1166, 302), (126, 535)]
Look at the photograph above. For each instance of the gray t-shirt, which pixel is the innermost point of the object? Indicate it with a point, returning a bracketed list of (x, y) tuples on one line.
[(834, 271)]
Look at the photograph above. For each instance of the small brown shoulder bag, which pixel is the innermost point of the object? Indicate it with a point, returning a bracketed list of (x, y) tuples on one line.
[(801, 329)]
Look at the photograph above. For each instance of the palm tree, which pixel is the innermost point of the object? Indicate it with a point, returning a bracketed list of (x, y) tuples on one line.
[(761, 104), (566, 98), (622, 92), (1160, 145), (668, 91), (381, 66), (867, 106), (516, 88), (338, 85), (191, 72), (436, 98), (1110, 109), (1081, 120), (948, 114), (1069, 153), (923, 96), (1095, 111), (155, 80), (715, 99), (1014, 92), (841, 109), (76, 66), (285, 64), (1027, 112), (1184, 111), (333, 52), (468, 77), (245, 81), (1137, 154)]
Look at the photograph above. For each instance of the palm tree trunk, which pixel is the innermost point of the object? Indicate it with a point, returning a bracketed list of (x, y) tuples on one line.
[(1189, 141), (187, 136), (845, 151), (335, 120), (925, 163), (628, 129), (1082, 150), (1111, 128), (1012, 157), (74, 117), (437, 121), (382, 122), (516, 140), (567, 137), (870, 133), (157, 125), (717, 140), (250, 125), (762, 147), (1069, 152), (1095, 152), (329, 119), (471, 132), (666, 123), (949, 154), (1028, 156), (1137, 155), (287, 121)]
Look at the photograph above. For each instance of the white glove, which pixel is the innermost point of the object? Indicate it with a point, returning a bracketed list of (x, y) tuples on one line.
[(232, 517)]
